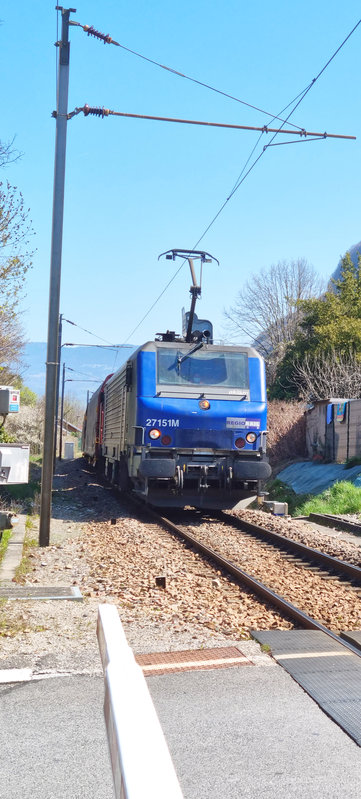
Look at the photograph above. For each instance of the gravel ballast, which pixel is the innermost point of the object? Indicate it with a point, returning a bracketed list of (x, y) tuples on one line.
[(326, 600), (98, 545)]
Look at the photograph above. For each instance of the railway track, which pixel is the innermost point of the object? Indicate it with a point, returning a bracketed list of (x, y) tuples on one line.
[(201, 542), (335, 522), (300, 552)]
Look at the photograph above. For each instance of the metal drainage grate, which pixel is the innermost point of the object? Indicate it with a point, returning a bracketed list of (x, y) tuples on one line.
[(40, 592), (330, 673), (191, 660)]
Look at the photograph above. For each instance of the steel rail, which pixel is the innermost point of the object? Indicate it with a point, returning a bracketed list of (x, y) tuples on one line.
[(332, 563), (257, 587), (328, 520)]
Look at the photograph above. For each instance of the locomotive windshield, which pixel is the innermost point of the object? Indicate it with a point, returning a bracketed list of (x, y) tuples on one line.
[(202, 368)]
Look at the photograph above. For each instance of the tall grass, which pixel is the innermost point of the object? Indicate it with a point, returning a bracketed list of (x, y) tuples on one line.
[(279, 491), (340, 499), (4, 542)]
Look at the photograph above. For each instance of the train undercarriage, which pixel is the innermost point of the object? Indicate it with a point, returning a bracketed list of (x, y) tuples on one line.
[(199, 479)]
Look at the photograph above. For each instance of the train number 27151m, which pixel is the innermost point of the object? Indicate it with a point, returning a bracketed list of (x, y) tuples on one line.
[(162, 423)]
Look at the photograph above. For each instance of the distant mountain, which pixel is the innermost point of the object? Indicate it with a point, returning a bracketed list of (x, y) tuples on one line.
[(90, 364)]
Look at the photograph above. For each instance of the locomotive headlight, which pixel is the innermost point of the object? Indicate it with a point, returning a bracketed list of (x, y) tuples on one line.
[(251, 437), (239, 443), (154, 434), (205, 405)]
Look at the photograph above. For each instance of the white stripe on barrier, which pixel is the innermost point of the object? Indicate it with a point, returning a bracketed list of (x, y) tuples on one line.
[(187, 664), (141, 763)]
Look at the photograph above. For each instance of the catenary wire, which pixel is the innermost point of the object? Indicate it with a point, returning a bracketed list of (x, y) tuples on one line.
[(87, 331), (76, 371), (298, 100), (260, 136), (236, 185), (100, 346), (90, 31), (243, 174), (205, 85), (305, 141), (107, 38)]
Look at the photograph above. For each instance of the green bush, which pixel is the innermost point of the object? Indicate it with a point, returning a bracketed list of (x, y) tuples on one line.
[(5, 437), (340, 499), (27, 396), (281, 492)]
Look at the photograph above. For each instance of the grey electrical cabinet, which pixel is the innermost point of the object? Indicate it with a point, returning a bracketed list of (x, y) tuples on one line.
[(9, 400), (14, 463)]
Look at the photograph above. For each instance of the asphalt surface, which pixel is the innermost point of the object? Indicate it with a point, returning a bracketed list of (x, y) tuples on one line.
[(240, 732), (53, 740), (247, 732), (251, 732)]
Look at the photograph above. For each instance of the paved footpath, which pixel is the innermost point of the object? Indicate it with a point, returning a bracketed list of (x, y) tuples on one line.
[(238, 732)]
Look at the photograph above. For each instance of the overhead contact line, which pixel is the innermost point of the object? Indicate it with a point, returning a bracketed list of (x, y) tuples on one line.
[(107, 39), (91, 31), (87, 331), (243, 175), (106, 112)]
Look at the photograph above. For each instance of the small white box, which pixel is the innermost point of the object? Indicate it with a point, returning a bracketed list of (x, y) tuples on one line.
[(69, 450), (9, 400), (14, 463)]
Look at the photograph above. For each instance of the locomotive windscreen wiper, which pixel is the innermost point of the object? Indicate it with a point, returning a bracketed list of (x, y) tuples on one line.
[(181, 358)]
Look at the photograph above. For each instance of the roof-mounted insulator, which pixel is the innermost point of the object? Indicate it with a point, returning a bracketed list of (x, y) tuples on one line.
[(91, 31), (96, 112)]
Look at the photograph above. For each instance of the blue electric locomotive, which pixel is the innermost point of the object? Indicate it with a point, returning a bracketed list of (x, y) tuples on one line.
[(183, 422)]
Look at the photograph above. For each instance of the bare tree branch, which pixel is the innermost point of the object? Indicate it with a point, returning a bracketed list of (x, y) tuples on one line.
[(267, 306), (8, 153), (328, 375), (12, 344), (266, 310), (15, 261)]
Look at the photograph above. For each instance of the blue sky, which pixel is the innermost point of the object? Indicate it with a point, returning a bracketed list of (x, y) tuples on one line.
[(137, 188)]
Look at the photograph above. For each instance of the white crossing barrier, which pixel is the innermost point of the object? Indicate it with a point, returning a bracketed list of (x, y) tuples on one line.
[(141, 763)]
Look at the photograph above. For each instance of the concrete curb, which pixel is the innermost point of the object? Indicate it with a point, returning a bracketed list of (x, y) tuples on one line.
[(13, 554)]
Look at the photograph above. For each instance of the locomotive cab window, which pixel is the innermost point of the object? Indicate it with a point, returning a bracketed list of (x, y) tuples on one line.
[(202, 368)]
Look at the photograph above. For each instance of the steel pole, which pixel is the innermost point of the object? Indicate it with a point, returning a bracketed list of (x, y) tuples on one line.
[(57, 384), (61, 415), (55, 273)]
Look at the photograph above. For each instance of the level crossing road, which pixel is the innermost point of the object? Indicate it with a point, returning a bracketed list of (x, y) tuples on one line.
[(248, 731)]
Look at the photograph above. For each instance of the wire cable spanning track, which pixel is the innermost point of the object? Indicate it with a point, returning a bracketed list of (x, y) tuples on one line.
[(287, 608), (91, 31)]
